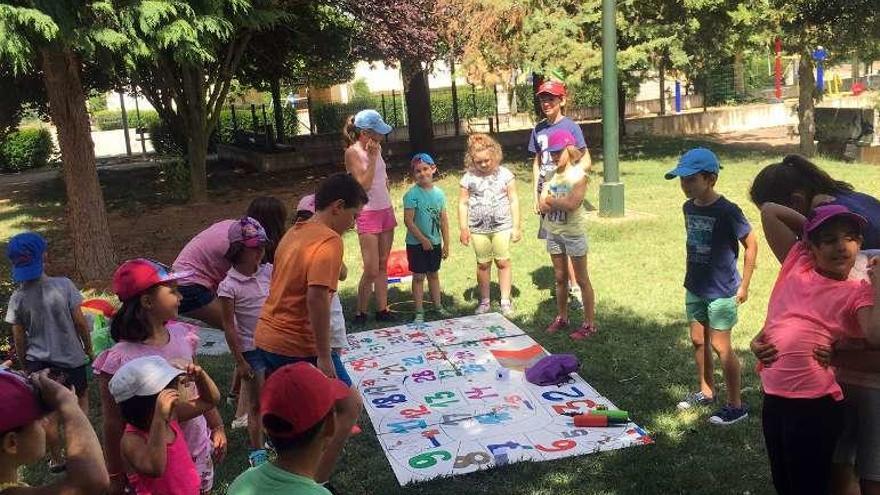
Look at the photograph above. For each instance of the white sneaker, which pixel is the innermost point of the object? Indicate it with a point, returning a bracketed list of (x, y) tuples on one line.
[(507, 308), (483, 308), (240, 422)]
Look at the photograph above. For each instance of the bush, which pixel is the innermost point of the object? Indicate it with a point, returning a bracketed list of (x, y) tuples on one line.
[(166, 142), (26, 149), (108, 120)]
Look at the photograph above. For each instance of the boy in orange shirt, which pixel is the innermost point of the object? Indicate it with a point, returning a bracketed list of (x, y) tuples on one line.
[(294, 325)]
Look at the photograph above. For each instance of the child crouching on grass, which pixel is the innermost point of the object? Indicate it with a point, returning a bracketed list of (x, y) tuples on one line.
[(151, 398), (813, 304), (427, 234)]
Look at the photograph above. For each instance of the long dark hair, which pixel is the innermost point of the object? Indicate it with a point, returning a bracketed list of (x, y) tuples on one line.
[(130, 324), (350, 133), (794, 174), (272, 215)]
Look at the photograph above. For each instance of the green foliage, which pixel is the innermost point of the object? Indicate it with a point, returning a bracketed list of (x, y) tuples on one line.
[(108, 120), (97, 103), (165, 141), (175, 176), (18, 27), (26, 149), (361, 89)]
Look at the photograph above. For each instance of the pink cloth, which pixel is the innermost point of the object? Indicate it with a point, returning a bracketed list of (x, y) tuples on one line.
[(378, 192), (807, 310), (248, 293), (180, 476), (204, 255), (179, 350), (376, 221)]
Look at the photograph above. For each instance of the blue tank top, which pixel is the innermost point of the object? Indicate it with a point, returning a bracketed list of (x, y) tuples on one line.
[(868, 207)]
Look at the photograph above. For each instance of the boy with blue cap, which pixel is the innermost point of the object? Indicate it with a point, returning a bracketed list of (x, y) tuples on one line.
[(48, 326), (713, 286)]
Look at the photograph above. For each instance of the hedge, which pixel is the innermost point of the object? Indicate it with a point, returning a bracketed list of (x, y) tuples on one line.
[(108, 120), (26, 149)]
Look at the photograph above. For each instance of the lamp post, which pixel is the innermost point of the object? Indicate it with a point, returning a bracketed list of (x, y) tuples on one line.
[(611, 190)]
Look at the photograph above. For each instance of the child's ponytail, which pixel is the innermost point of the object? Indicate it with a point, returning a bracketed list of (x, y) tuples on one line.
[(794, 174), (130, 323), (350, 133)]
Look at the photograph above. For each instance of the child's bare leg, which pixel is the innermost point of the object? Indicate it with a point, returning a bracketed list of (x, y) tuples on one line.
[(418, 290), (730, 364), (434, 288), (703, 358), (844, 480), (242, 407), (560, 273), (870, 487), (347, 412), (53, 437), (582, 278), (484, 275), (251, 390), (505, 278), (572, 275)]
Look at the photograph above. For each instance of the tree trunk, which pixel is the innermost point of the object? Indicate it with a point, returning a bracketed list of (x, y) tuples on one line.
[(739, 75), (278, 110), (86, 218), (806, 105), (418, 107), (195, 117), (456, 118), (661, 71)]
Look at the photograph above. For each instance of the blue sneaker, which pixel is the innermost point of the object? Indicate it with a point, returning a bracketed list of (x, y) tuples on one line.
[(695, 399), (729, 415), (258, 457)]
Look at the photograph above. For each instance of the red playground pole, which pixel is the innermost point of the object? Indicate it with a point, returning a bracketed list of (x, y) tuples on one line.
[(778, 71)]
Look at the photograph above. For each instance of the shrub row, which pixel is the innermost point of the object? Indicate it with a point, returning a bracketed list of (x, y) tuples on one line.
[(26, 149)]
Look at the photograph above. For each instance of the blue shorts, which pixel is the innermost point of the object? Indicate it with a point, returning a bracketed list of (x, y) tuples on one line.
[(194, 297), (272, 361), (254, 359)]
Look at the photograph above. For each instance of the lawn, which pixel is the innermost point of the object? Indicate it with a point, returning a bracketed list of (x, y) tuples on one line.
[(641, 359)]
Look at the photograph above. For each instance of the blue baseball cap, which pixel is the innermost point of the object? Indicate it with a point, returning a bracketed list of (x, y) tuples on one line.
[(370, 119), (695, 161), (422, 157), (25, 251)]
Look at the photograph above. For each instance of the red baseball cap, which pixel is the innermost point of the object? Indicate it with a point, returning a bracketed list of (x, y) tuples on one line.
[(135, 276), (301, 395), (554, 88), (20, 405)]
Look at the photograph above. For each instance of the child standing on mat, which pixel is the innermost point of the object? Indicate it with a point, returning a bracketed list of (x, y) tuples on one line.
[(488, 217), (48, 328), (427, 233), (713, 287), (150, 394), (242, 294), (565, 220), (552, 96), (813, 304)]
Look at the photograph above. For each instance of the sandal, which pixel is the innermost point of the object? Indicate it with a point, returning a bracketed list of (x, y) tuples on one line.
[(585, 331), (558, 324)]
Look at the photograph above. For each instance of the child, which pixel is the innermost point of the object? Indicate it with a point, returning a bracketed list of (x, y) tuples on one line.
[(713, 287), (294, 325), (488, 217), (299, 431), (48, 327), (813, 303), (242, 294), (151, 398), (427, 233), (565, 221), (799, 184), (552, 96), (145, 326), (22, 439)]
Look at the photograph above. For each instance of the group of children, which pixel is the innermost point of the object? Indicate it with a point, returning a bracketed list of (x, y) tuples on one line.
[(282, 317)]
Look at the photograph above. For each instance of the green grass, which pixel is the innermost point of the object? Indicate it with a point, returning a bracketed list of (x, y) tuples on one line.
[(641, 359)]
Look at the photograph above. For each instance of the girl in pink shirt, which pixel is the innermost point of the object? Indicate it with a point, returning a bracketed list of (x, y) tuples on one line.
[(150, 394), (813, 304)]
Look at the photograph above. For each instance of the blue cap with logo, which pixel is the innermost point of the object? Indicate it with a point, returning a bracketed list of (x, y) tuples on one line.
[(422, 157), (25, 251), (370, 119), (695, 161)]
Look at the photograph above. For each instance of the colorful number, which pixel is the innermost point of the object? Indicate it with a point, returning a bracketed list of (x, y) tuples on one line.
[(552, 395), (406, 426), (424, 376), (447, 373), (477, 458), (412, 361), (440, 332), (575, 433), (454, 419), (571, 407), (493, 418), (516, 400), (480, 393), (558, 446), (388, 402), (435, 355), (393, 368), (462, 355), (386, 332), (380, 390), (470, 369), (363, 364), (441, 399), (428, 459), (415, 413)]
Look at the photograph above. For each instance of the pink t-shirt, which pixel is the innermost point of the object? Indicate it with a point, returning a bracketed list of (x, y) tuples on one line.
[(179, 350), (205, 254), (180, 476), (378, 192), (807, 310), (248, 293)]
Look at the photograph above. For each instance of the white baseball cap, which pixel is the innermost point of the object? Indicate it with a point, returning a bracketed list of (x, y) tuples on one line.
[(142, 377)]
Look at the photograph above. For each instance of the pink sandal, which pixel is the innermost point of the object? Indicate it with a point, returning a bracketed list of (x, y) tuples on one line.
[(585, 331), (557, 325)]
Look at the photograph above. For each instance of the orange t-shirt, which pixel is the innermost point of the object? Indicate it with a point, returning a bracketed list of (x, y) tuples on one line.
[(309, 254)]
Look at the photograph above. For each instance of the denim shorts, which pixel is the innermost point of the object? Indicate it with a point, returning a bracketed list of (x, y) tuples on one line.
[(194, 297), (272, 361)]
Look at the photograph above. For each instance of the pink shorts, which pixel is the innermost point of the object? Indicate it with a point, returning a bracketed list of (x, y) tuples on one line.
[(376, 221)]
